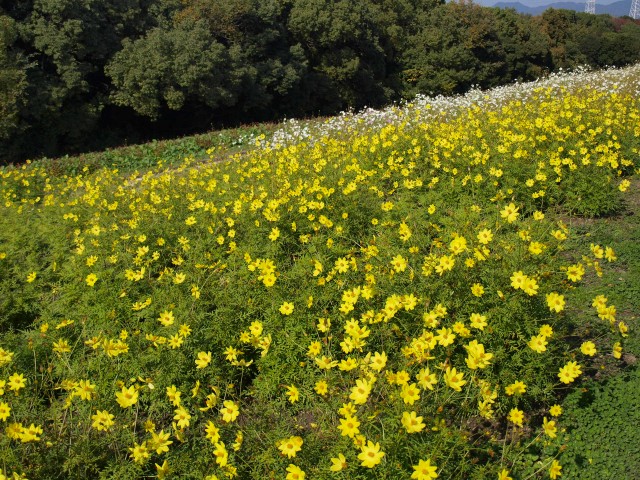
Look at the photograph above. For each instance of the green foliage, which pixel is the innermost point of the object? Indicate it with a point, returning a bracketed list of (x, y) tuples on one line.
[(13, 81), (602, 422), (169, 68), (399, 233)]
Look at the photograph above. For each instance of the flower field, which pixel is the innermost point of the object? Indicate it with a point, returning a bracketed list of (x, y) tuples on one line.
[(382, 295)]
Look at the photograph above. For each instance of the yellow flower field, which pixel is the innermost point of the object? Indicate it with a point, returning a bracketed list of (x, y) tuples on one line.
[(382, 297)]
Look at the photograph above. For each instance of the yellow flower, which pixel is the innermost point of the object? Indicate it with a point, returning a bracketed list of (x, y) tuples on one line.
[(518, 280), (294, 473), (546, 331), (286, 308), (293, 393), (554, 471), (370, 454), (410, 393), (166, 318), (31, 277), (555, 302), (588, 348), (213, 432), (338, 463), (454, 379), (85, 390), (504, 475), (478, 321), (5, 411), (274, 234), (139, 453), (349, 426), (485, 236), (61, 346), (569, 372), (477, 290), (517, 387), (230, 411), (426, 379), (510, 213), (609, 254), (538, 343), (321, 387), (290, 446), (555, 410), (160, 442), (424, 470), (516, 416), (221, 454), (204, 358), (549, 428), (378, 361), (530, 286), (575, 272), (617, 350), (91, 279), (360, 392), (16, 382), (182, 417), (127, 396), (6, 356), (399, 264), (412, 423), (162, 470)]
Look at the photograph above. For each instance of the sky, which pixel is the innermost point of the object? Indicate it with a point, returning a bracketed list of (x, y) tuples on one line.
[(536, 3)]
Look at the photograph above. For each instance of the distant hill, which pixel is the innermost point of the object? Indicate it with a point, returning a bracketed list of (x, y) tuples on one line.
[(616, 9)]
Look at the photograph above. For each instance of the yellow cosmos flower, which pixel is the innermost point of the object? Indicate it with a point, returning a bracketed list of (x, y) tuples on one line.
[(294, 473), (293, 393), (204, 358), (555, 410), (338, 463), (370, 454), (454, 379), (127, 396), (516, 416), (17, 382), (555, 302), (290, 446), (412, 422), (230, 411), (510, 213), (554, 470), (588, 348), (424, 470), (286, 308), (549, 427)]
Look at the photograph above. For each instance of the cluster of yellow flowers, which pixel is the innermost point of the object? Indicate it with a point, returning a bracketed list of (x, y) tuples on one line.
[(387, 269)]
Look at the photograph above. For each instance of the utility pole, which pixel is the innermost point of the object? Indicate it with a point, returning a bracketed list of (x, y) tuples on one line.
[(635, 10), (590, 6)]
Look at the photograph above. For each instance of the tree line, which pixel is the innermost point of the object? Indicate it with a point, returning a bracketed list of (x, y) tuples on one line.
[(85, 74)]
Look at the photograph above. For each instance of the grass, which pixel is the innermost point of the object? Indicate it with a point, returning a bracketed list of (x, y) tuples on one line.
[(603, 436), (170, 152)]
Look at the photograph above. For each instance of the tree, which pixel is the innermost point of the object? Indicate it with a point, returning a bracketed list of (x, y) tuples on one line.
[(457, 47), (13, 80), (169, 68), (342, 44)]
